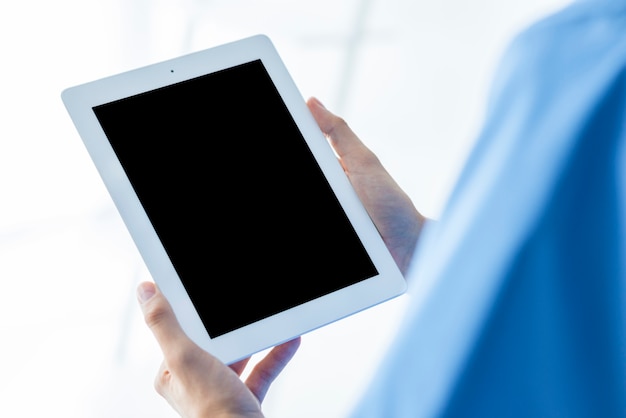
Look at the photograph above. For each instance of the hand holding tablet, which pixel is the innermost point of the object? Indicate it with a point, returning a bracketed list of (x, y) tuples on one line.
[(234, 198)]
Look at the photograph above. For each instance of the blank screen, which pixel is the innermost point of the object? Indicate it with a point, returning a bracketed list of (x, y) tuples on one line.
[(241, 206)]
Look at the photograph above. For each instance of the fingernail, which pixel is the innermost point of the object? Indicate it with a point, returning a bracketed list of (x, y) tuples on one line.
[(317, 102), (145, 291)]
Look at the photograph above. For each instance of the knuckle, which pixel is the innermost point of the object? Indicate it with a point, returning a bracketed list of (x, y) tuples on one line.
[(338, 124), (155, 315), (160, 382), (369, 159)]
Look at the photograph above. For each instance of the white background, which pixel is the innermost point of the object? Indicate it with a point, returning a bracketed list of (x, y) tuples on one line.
[(410, 77)]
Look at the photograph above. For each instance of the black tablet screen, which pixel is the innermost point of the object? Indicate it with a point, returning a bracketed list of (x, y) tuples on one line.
[(235, 195)]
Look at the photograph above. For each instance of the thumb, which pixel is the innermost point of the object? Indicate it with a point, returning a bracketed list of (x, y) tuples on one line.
[(160, 318)]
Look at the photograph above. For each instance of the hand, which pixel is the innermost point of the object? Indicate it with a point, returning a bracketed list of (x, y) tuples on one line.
[(393, 213), (197, 384)]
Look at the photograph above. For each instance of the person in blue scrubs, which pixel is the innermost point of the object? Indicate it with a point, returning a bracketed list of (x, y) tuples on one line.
[(525, 271)]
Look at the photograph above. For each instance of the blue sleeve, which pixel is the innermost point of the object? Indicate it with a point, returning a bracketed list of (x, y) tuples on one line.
[(519, 298)]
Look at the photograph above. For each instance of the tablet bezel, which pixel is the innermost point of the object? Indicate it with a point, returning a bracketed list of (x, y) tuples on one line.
[(81, 99)]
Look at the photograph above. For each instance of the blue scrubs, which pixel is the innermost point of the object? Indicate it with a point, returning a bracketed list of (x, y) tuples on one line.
[(524, 275)]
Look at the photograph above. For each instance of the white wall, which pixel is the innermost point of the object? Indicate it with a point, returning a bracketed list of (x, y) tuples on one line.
[(412, 85)]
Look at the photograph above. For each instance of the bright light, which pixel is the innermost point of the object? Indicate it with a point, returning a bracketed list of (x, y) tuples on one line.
[(409, 77)]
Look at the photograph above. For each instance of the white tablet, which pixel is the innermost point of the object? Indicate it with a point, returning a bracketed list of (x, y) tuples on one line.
[(233, 196)]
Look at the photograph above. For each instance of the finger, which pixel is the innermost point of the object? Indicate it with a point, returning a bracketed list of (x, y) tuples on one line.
[(238, 366), (345, 142), (161, 379), (160, 318), (266, 370)]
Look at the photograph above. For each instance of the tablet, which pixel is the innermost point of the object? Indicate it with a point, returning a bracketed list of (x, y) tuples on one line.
[(233, 196)]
